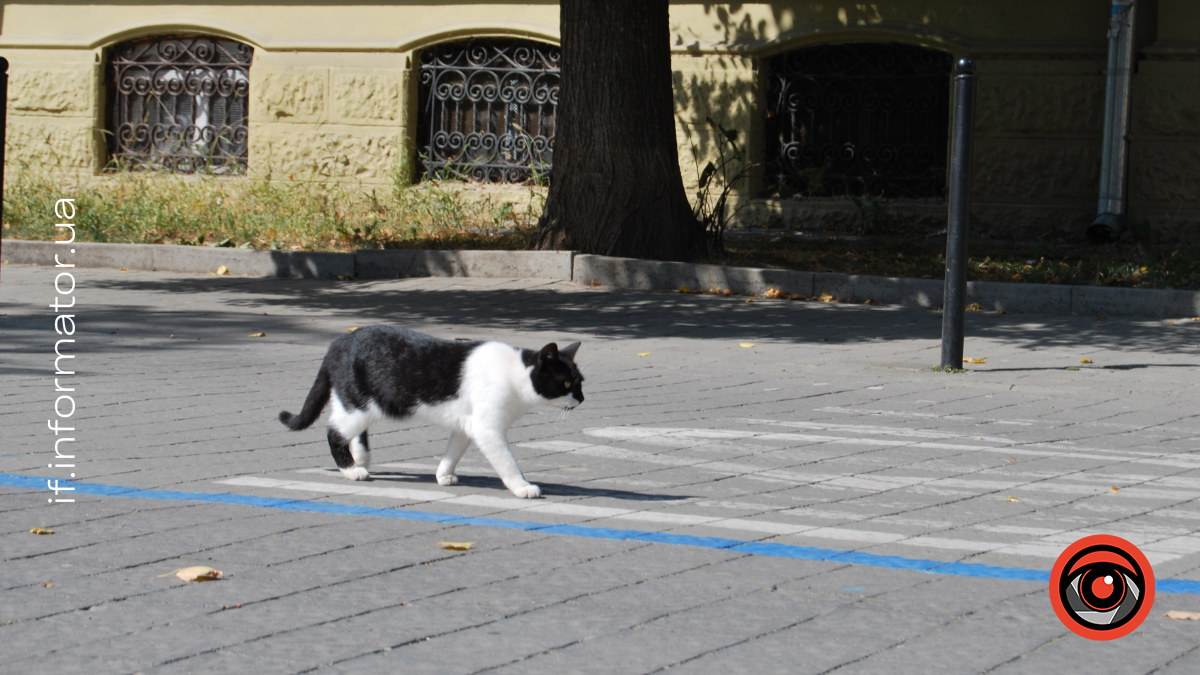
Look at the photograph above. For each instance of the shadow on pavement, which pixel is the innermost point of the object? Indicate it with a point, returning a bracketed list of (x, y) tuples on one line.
[(569, 309), (552, 489)]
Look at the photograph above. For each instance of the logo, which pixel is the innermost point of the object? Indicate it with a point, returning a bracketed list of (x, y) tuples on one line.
[(1102, 587)]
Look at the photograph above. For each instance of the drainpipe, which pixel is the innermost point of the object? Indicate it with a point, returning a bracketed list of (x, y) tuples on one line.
[(1114, 161)]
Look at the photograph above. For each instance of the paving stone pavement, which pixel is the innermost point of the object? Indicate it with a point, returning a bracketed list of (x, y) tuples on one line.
[(798, 424)]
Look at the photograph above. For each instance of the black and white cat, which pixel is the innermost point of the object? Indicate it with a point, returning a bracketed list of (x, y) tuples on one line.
[(474, 389)]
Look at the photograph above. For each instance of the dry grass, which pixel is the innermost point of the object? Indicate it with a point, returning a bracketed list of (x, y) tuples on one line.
[(144, 208), (324, 215), (1082, 265)]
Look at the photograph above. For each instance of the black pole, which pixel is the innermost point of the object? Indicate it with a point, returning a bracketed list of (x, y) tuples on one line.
[(954, 299), (3, 136)]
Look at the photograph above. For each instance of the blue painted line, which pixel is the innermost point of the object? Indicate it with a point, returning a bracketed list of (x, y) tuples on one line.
[(772, 549)]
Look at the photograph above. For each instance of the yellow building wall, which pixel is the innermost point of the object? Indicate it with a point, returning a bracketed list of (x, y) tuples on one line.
[(333, 91)]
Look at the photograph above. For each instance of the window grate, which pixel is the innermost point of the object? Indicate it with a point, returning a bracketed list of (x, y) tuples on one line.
[(179, 104), (858, 120), (487, 110)]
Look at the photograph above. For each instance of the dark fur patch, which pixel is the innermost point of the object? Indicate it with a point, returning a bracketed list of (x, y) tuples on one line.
[(397, 368)]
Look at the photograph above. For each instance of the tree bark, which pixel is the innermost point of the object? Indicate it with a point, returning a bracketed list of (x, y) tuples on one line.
[(615, 188)]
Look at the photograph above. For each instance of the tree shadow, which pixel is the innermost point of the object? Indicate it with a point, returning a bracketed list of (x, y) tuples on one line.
[(491, 308)]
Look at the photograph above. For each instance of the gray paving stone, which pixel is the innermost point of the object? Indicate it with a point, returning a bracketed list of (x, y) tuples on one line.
[(833, 420)]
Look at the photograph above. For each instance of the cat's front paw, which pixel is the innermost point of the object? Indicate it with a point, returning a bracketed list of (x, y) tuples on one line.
[(448, 479), (356, 473), (529, 491)]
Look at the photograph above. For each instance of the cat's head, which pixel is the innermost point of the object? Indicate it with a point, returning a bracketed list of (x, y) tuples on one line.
[(554, 375)]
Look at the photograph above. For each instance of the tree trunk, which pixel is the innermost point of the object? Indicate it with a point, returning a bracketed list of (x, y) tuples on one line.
[(615, 188)]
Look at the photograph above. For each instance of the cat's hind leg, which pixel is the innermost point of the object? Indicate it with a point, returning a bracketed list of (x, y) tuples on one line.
[(343, 455), (348, 440), (459, 442)]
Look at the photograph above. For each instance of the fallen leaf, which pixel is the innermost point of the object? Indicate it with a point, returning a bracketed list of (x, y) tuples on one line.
[(982, 360), (172, 337), (222, 270), (745, 344), (595, 283), (1183, 616), (351, 329), (41, 530), (1085, 360), (774, 293), (749, 299), (1194, 318), (685, 289), (1114, 489), (871, 302), (644, 354), (1170, 323), (1011, 459), (455, 545), (825, 297), (1000, 311), (47, 584), (974, 307), (198, 573), (257, 335), (124, 269), (1072, 367), (1012, 499)]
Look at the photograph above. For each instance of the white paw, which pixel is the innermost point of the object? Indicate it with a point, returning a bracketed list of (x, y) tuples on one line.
[(448, 479), (529, 491), (356, 473)]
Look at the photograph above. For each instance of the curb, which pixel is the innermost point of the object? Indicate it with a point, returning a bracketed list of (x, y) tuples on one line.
[(991, 295), (628, 273)]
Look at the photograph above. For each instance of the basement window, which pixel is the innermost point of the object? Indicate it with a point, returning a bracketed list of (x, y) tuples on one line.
[(855, 120), (179, 104), (487, 111)]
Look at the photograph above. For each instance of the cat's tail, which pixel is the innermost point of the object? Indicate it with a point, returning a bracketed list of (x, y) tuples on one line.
[(318, 396)]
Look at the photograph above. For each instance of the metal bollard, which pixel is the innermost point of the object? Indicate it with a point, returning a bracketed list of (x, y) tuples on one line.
[(954, 299), (3, 137)]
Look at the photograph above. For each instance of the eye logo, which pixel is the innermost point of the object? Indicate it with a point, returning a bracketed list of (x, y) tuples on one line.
[(1102, 587)]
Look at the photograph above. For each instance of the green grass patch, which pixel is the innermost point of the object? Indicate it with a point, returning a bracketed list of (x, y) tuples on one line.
[(146, 208)]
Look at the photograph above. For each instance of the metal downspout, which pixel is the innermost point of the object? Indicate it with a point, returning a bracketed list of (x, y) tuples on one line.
[(1114, 162)]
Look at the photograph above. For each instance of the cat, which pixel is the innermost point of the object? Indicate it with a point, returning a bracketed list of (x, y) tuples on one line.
[(474, 389)]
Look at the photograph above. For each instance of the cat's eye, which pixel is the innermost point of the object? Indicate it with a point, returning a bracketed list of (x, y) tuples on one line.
[(567, 384)]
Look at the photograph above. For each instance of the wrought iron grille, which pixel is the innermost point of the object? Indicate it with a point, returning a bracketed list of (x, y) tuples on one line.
[(858, 119), (487, 110), (179, 103)]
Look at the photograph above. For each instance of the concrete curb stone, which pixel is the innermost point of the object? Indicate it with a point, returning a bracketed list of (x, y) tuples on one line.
[(393, 263), (652, 275), (626, 273), (174, 258)]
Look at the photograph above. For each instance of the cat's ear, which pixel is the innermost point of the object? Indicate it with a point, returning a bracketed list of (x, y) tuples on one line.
[(569, 350), (550, 351)]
